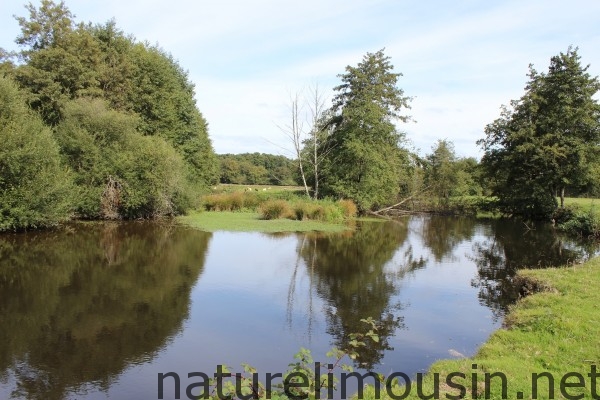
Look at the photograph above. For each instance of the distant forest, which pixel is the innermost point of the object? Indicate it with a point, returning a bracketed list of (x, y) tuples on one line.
[(258, 169)]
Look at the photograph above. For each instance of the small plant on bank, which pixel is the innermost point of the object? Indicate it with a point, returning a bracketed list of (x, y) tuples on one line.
[(304, 379)]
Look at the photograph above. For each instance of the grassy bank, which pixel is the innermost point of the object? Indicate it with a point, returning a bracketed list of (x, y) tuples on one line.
[(552, 333), (235, 208), (212, 221)]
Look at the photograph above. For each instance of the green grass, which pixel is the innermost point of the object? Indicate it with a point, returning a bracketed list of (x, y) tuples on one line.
[(212, 221), (555, 331), (585, 204)]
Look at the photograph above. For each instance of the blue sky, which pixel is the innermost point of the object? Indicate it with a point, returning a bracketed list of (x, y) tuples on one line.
[(460, 60)]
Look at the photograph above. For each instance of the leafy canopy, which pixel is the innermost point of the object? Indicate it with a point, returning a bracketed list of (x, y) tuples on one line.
[(547, 140), (366, 161)]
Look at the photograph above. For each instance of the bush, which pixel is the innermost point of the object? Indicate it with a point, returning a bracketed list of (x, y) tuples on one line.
[(349, 209), (333, 213), (273, 209), (302, 210), (120, 173), (35, 189), (565, 214), (281, 205), (581, 223)]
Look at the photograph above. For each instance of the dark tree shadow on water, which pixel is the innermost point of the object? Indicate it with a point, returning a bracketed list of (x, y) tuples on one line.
[(351, 273), (510, 245), (84, 303)]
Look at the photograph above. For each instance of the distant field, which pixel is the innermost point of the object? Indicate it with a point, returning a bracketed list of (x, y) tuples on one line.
[(584, 204), (225, 187)]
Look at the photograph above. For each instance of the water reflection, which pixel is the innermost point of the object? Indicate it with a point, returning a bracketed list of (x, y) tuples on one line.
[(441, 235), (79, 307), (348, 272), (97, 310), (507, 246)]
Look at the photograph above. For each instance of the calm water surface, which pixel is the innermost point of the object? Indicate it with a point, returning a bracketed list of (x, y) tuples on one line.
[(97, 311)]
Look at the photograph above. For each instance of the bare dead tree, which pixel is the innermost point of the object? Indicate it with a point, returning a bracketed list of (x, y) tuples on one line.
[(111, 199), (318, 142), (310, 146), (295, 132)]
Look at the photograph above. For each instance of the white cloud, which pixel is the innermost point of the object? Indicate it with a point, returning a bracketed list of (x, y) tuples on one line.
[(461, 60)]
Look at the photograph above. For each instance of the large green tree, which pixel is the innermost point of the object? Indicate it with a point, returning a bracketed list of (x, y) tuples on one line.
[(63, 60), (366, 160), (440, 171), (545, 141), (446, 175), (34, 186), (119, 173)]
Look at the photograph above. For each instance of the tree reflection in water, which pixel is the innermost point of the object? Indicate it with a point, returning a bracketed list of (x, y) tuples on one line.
[(81, 305), (351, 272), (510, 245)]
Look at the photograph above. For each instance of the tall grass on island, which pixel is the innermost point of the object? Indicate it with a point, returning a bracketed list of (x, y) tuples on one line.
[(281, 204)]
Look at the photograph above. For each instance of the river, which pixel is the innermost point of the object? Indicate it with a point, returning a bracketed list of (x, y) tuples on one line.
[(99, 310)]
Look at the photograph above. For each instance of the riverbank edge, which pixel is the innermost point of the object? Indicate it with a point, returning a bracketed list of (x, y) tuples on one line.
[(241, 221), (555, 331)]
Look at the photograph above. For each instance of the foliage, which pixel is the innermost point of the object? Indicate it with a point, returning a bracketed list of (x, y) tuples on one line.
[(118, 172), (545, 141), (64, 61), (257, 169), (348, 207), (441, 174), (235, 201), (366, 160), (163, 96), (576, 221), (34, 186), (281, 204), (123, 114)]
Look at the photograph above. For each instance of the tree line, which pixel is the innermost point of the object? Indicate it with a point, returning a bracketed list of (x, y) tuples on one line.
[(543, 145), (96, 124)]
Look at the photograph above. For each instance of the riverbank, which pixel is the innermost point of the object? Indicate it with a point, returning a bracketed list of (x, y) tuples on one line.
[(212, 221), (549, 347)]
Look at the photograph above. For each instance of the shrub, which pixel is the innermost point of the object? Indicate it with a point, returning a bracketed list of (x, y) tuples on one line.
[(333, 213), (349, 209), (302, 210), (234, 201), (318, 212), (35, 189), (565, 214), (581, 224), (273, 209)]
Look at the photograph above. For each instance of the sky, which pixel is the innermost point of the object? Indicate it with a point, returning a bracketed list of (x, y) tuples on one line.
[(460, 60)]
